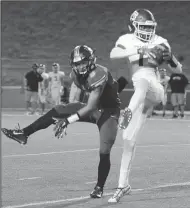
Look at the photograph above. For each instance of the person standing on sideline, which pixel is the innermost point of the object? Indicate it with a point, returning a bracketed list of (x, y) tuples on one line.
[(178, 82), (42, 88), (31, 80)]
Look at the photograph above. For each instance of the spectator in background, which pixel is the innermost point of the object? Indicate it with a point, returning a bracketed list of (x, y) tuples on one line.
[(178, 83), (56, 83), (42, 88), (65, 95), (31, 80), (164, 79)]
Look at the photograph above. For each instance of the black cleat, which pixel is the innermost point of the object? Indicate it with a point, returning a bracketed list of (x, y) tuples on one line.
[(16, 134), (175, 116), (97, 192)]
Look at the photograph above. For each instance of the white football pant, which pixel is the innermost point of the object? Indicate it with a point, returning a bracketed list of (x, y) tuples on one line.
[(148, 93)]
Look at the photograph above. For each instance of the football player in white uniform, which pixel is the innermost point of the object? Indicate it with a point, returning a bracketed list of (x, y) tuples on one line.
[(144, 52), (164, 79), (42, 87), (56, 78)]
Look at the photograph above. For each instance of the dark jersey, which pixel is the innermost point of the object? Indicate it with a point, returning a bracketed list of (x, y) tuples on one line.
[(32, 80), (97, 78), (178, 82)]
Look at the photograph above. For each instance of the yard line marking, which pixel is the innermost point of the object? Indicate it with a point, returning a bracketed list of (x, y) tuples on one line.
[(32, 178), (88, 197), (51, 153), (168, 119), (91, 182), (96, 149)]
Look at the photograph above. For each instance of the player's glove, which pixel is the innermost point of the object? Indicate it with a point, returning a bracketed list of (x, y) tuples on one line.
[(60, 128), (166, 52)]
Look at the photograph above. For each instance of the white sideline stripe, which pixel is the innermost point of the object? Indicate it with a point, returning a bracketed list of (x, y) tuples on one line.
[(95, 149), (51, 153), (87, 197), (18, 87), (152, 119), (32, 178)]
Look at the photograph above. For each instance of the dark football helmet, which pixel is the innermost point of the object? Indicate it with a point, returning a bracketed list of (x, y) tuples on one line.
[(82, 60), (142, 24)]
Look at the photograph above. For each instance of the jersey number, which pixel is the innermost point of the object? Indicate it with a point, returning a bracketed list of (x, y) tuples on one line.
[(141, 60)]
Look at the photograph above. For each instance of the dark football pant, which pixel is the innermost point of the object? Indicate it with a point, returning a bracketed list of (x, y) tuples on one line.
[(106, 121)]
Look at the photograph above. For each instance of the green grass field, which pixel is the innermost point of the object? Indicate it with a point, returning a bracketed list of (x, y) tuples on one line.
[(45, 32)]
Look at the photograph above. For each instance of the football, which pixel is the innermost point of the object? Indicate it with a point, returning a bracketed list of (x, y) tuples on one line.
[(157, 54)]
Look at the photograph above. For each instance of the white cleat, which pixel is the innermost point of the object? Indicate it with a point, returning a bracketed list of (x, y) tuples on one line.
[(120, 192)]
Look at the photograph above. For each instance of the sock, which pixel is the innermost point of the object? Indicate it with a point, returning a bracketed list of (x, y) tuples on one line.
[(139, 95), (103, 169), (182, 109), (176, 110), (43, 107), (28, 105), (41, 123), (127, 157)]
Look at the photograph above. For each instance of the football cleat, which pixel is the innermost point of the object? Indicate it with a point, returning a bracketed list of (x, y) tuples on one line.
[(175, 116), (120, 192), (16, 134), (97, 192), (125, 118)]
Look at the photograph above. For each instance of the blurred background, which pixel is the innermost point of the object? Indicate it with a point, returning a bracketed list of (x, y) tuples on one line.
[(45, 32)]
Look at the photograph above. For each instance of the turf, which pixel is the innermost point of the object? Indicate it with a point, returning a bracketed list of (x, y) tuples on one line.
[(56, 173), (45, 32)]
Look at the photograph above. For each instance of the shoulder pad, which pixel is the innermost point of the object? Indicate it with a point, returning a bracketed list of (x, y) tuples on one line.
[(123, 41), (98, 77), (160, 40)]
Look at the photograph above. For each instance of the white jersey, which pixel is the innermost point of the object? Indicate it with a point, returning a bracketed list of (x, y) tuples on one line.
[(137, 64), (41, 85), (55, 79)]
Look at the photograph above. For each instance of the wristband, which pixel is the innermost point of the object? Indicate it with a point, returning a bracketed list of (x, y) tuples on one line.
[(73, 118), (172, 62)]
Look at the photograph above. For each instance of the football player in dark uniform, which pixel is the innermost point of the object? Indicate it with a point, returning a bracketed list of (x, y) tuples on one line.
[(102, 108)]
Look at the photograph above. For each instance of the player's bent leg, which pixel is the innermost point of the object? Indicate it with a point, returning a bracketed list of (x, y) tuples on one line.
[(60, 111), (107, 125), (141, 88)]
